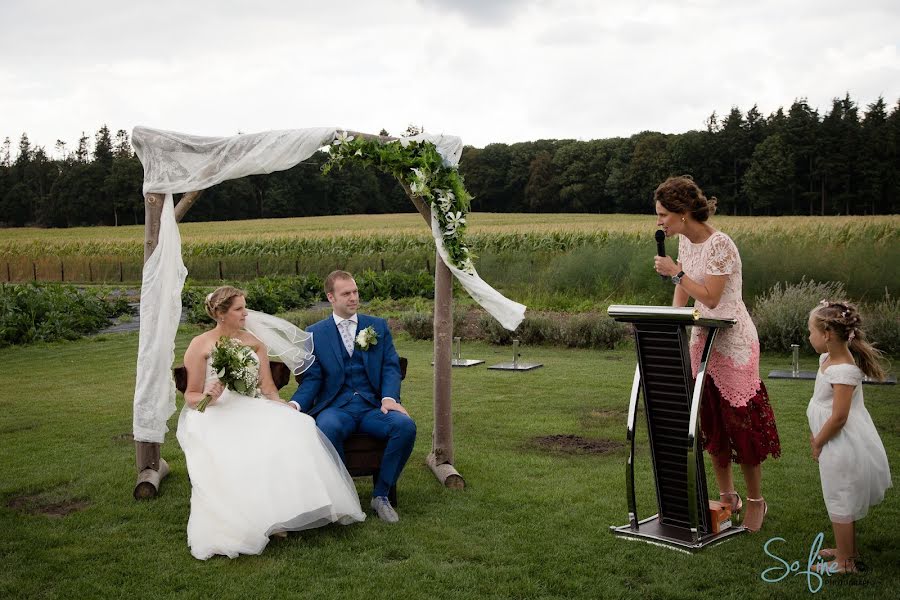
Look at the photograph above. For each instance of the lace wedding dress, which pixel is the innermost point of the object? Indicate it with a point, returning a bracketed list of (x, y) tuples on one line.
[(259, 467)]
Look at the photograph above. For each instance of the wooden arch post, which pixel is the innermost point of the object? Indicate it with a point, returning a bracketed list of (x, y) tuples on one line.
[(151, 467), (440, 459)]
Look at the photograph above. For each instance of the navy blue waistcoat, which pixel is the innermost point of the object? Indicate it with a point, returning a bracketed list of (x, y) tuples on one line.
[(356, 381)]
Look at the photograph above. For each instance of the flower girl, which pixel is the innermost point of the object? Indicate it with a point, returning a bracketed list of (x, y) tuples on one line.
[(853, 465)]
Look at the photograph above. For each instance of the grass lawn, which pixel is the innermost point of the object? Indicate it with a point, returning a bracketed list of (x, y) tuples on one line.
[(532, 522)]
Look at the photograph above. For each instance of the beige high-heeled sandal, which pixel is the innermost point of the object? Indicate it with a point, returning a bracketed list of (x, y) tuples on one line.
[(750, 523), (733, 499)]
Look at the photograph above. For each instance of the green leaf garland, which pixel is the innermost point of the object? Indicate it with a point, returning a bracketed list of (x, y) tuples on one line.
[(420, 167)]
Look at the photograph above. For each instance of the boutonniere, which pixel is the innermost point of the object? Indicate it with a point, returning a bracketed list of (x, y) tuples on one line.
[(367, 337)]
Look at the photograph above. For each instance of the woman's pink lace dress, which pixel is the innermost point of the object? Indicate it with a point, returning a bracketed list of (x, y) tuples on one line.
[(736, 418)]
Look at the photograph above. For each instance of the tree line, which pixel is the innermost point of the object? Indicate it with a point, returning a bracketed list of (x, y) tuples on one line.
[(789, 163)]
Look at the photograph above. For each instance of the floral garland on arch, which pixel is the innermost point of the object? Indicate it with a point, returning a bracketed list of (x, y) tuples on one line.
[(420, 168)]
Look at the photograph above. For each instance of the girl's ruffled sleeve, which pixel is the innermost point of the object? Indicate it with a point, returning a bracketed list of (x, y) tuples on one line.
[(844, 374)]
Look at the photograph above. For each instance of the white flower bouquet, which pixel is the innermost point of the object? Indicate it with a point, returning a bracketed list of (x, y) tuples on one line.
[(236, 367)]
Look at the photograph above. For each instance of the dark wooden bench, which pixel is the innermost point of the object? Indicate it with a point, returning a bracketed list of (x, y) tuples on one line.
[(362, 452)]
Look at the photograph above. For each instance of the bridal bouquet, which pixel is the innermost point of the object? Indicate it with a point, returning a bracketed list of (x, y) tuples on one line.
[(235, 366)]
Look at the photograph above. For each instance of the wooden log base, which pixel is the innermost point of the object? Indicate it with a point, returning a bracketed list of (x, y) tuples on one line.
[(147, 485), (446, 473)]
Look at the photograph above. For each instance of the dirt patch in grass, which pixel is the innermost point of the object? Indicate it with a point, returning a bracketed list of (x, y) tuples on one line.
[(38, 504), (573, 444)]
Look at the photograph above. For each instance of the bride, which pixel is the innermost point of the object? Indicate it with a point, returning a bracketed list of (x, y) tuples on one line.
[(257, 466)]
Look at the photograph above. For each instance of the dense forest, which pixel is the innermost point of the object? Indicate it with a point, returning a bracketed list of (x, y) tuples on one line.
[(789, 163)]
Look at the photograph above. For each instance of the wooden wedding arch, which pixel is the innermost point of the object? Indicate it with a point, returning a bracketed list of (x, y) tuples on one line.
[(152, 468)]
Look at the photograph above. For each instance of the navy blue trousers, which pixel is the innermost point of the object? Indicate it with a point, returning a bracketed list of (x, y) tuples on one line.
[(359, 416)]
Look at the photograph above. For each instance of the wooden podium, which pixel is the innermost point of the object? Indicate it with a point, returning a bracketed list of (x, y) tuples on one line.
[(672, 406)]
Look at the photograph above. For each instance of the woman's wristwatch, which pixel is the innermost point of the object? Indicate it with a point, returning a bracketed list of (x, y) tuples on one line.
[(676, 279)]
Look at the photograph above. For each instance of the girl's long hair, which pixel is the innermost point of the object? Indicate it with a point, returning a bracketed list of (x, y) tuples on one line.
[(842, 320)]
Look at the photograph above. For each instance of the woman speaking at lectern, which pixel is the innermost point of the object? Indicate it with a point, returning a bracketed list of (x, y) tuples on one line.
[(736, 420)]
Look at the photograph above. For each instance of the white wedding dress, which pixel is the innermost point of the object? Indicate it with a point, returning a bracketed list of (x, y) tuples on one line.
[(259, 467)]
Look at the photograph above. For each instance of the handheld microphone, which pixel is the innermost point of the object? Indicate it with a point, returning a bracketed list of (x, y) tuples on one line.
[(661, 246)]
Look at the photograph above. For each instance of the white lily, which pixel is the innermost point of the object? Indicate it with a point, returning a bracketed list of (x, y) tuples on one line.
[(342, 138), (455, 219), (417, 187)]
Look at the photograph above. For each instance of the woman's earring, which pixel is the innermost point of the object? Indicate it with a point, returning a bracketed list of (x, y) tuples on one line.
[(682, 219)]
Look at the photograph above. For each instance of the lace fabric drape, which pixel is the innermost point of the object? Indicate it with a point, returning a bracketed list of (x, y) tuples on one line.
[(179, 163), (163, 279)]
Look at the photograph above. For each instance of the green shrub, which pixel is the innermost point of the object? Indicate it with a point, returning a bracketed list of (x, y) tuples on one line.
[(193, 304), (493, 332), (538, 329), (592, 330), (881, 322), (419, 325), (782, 314), (47, 312)]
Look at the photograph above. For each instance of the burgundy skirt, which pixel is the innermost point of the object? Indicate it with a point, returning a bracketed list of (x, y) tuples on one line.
[(745, 434)]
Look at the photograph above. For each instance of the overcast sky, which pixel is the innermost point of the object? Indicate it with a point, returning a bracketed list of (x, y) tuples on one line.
[(485, 70)]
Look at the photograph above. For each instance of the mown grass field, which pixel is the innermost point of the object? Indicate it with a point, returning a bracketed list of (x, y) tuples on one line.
[(532, 522)]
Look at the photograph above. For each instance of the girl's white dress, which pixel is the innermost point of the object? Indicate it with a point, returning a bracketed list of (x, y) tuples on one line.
[(853, 465), (259, 467)]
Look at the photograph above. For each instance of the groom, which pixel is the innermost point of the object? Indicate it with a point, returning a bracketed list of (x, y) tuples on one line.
[(354, 385)]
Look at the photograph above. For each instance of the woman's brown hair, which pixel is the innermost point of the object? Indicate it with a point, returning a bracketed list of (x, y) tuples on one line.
[(681, 195)]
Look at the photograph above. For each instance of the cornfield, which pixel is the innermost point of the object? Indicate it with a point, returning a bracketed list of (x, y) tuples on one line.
[(586, 255)]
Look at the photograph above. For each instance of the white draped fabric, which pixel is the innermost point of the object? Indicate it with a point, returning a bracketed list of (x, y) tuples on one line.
[(180, 163), (163, 279)]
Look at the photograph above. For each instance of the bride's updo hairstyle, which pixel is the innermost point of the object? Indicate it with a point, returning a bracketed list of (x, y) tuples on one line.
[(681, 195), (221, 299)]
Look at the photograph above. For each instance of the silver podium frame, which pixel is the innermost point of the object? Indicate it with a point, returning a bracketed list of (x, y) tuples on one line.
[(672, 407)]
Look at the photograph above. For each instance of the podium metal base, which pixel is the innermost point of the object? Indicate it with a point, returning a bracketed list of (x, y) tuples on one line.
[(650, 530), (809, 375), (516, 366)]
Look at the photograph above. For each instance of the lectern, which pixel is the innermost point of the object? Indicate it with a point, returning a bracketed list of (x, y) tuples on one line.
[(672, 406)]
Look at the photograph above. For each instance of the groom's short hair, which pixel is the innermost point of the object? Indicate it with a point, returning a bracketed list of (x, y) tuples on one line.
[(334, 276)]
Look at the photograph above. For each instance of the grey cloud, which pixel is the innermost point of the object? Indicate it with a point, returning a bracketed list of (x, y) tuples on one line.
[(479, 12)]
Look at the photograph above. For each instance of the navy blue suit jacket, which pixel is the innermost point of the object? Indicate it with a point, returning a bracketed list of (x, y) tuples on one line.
[(321, 383)]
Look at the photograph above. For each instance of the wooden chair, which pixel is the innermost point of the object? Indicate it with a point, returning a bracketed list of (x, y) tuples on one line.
[(362, 452)]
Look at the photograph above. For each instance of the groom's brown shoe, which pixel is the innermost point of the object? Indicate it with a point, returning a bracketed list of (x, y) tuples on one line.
[(382, 507)]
